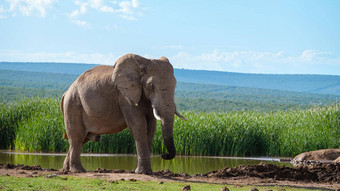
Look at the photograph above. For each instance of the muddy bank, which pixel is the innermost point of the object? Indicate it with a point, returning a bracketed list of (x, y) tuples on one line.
[(319, 175), (322, 173)]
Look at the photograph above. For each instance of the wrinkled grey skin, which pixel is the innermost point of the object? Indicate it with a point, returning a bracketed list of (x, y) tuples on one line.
[(105, 100)]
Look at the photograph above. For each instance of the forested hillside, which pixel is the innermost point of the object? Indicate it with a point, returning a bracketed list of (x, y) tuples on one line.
[(323, 84), (15, 85), (49, 67)]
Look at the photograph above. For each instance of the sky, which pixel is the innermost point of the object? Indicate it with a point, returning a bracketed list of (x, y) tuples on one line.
[(247, 36)]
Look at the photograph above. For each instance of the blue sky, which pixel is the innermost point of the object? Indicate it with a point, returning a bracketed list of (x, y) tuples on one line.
[(272, 36)]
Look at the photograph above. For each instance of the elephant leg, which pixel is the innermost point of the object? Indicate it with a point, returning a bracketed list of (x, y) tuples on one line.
[(66, 166), (75, 162), (152, 125), (77, 137), (143, 157), (137, 123), (139, 133)]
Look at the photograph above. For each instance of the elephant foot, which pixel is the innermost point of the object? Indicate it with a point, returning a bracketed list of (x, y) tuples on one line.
[(143, 167), (66, 169), (143, 171), (77, 169)]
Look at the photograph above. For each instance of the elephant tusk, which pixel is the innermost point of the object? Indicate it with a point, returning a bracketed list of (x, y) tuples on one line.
[(156, 114), (181, 116)]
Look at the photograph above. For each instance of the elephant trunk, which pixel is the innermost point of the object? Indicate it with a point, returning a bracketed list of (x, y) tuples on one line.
[(167, 132), (166, 116)]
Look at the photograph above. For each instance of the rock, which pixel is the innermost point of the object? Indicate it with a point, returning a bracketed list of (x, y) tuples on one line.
[(224, 189), (254, 189), (186, 188), (337, 160), (9, 166), (319, 155)]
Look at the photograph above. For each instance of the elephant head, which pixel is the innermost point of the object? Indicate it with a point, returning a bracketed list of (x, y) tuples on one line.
[(138, 78)]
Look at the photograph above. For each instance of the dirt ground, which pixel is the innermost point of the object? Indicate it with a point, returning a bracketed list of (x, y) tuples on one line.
[(324, 176)]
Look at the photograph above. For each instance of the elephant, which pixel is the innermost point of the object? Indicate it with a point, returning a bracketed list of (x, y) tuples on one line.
[(133, 94)]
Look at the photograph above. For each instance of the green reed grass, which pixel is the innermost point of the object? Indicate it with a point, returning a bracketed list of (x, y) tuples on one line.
[(37, 125), (43, 130), (11, 114)]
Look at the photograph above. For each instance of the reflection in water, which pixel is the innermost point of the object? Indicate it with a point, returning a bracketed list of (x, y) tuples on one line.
[(190, 165)]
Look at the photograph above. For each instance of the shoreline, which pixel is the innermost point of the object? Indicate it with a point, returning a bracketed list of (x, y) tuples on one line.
[(262, 174)]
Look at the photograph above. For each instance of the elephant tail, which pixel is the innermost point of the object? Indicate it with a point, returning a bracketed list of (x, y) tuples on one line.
[(62, 104), (65, 136), (62, 110)]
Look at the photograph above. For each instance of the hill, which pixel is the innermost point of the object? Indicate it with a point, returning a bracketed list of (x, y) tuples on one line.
[(15, 85), (322, 84)]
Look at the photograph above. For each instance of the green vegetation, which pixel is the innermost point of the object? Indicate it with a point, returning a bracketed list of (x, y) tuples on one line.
[(36, 120), (251, 133), (16, 85), (39, 80), (75, 183), (37, 125), (324, 84), (224, 120), (10, 94)]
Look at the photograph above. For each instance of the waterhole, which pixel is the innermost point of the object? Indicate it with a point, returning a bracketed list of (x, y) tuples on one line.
[(189, 164)]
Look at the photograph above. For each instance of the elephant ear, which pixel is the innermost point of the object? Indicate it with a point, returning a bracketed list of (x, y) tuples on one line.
[(126, 76)]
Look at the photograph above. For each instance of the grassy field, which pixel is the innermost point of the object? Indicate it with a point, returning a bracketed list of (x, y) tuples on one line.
[(37, 125), (74, 183)]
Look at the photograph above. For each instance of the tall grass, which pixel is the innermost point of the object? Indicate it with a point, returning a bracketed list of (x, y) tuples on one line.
[(11, 114), (43, 130), (254, 133), (37, 125)]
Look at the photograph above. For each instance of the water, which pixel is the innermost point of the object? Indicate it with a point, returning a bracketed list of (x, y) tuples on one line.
[(188, 164)]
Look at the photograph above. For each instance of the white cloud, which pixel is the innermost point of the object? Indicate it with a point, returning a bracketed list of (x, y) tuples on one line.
[(26, 7), (81, 23), (129, 10), (70, 57), (310, 55), (107, 9), (233, 61), (2, 12), (309, 61)]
